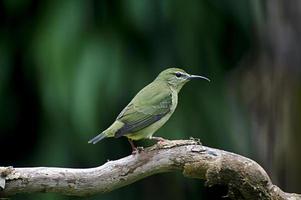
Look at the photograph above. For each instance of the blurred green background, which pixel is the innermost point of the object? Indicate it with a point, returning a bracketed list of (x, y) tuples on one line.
[(67, 68)]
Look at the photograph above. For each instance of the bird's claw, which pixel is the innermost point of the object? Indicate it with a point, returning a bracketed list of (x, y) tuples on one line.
[(137, 150), (159, 139)]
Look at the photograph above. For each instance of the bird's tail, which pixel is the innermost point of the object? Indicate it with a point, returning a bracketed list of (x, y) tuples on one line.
[(110, 132), (98, 138)]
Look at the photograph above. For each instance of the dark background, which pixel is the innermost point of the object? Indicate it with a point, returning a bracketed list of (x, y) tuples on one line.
[(67, 68)]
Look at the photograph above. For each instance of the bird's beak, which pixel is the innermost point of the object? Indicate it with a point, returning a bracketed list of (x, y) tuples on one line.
[(197, 76)]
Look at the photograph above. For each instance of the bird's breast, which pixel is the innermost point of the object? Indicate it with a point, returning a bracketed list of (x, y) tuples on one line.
[(174, 97)]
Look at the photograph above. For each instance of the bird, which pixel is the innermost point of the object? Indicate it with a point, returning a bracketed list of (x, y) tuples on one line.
[(150, 109)]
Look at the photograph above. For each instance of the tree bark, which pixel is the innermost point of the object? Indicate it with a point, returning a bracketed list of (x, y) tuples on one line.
[(244, 177)]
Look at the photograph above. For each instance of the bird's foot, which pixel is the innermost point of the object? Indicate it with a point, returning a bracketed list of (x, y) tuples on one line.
[(158, 139), (137, 150)]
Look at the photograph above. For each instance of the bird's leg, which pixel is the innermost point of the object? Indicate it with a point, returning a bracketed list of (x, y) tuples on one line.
[(134, 148), (132, 145)]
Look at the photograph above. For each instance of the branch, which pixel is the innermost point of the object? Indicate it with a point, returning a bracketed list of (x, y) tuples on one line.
[(245, 178)]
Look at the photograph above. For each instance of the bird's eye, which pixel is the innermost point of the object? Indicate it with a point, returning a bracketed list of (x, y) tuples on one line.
[(178, 74)]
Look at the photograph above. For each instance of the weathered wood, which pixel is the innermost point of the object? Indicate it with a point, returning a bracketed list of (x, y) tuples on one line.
[(244, 177)]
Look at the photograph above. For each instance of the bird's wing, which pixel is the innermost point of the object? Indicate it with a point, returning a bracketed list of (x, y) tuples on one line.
[(147, 107)]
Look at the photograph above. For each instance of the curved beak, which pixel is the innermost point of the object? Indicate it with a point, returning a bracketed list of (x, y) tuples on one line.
[(197, 76)]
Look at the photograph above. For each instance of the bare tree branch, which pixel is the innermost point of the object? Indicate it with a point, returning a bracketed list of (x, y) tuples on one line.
[(244, 177)]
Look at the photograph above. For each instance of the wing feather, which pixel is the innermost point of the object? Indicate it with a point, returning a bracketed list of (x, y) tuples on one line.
[(145, 109)]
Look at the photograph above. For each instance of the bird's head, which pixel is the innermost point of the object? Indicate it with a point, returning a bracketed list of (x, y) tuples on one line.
[(177, 78)]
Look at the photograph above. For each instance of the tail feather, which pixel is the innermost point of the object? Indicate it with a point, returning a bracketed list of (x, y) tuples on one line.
[(110, 132), (98, 138)]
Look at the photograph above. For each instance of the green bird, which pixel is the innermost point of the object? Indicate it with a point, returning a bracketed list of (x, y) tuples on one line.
[(150, 109)]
